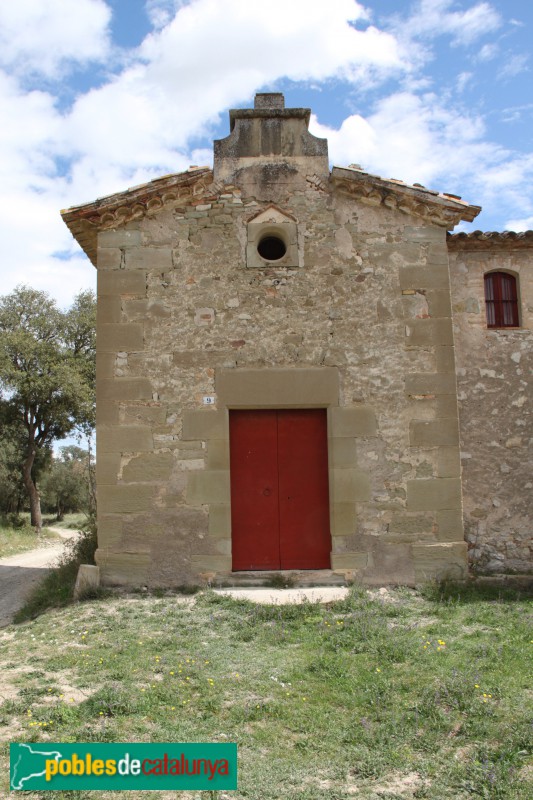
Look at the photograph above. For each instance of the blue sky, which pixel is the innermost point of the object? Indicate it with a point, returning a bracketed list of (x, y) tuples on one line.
[(99, 95)]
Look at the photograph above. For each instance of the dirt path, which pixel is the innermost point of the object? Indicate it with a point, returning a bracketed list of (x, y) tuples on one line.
[(21, 573)]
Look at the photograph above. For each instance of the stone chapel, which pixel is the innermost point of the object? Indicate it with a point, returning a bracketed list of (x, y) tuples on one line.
[(303, 370)]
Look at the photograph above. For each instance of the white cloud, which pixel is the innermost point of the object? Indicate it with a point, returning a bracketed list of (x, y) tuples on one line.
[(138, 124), (524, 224), (416, 139), (463, 79), (182, 79), (514, 66), (431, 18), (201, 57), (426, 140), (160, 12), (488, 52), (40, 36)]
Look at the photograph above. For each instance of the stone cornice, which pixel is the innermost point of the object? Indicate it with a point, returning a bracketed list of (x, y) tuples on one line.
[(86, 220), (488, 240), (116, 210), (438, 209)]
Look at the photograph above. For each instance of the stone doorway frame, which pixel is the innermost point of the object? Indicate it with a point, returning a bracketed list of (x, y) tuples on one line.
[(279, 388)]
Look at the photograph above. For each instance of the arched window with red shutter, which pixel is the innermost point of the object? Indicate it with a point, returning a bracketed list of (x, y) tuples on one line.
[(501, 300)]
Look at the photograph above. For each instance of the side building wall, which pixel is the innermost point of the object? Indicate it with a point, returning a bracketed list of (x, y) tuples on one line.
[(494, 394), (362, 327)]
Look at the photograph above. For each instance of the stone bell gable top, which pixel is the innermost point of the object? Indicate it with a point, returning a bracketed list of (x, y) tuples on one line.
[(268, 154), (273, 139)]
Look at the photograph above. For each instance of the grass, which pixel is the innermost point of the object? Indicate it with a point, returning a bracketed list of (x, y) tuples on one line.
[(407, 695), (57, 588), (14, 540), (76, 521)]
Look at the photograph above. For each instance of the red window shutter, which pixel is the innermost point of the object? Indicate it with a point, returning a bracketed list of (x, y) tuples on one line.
[(501, 300)]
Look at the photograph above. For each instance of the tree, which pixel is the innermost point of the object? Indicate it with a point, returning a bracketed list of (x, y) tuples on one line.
[(66, 486), (13, 495), (47, 373)]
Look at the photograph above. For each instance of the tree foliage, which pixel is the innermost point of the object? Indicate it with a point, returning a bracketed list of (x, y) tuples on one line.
[(47, 372), (66, 485)]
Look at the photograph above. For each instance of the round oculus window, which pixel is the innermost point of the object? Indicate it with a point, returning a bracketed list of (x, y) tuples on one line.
[(271, 248)]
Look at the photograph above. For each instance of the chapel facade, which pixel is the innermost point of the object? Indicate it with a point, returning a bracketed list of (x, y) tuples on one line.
[(302, 370)]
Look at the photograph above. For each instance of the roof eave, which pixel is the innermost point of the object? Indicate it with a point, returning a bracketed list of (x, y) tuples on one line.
[(437, 208), (485, 240), (115, 210)]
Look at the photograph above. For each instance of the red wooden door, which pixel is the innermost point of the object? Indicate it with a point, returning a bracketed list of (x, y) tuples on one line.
[(279, 489)]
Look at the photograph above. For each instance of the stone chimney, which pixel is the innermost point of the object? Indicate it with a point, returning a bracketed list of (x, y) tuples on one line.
[(268, 145)]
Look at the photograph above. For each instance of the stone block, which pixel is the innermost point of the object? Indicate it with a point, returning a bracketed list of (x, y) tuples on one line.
[(289, 387), (107, 468), (343, 519), (105, 365), (153, 413), (434, 494), (125, 336), (218, 454), (424, 278), (109, 309), (208, 486), (87, 580), (388, 253), (210, 563), (445, 359), (429, 332), (446, 405), (203, 425), (108, 258), (349, 486), (393, 537), (126, 498), (124, 389), (410, 525), (121, 282), (186, 359), (342, 452), (125, 439), (123, 569), (220, 521), (422, 383), (432, 433), (148, 468), (439, 303), (438, 252), (109, 530), (159, 258), (120, 238), (147, 310), (351, 561), (389, 563), (107, 413), (164, 530), (223, 546), (450, 526), (352, 421), (442, 561), (423, 234), (448, 462)]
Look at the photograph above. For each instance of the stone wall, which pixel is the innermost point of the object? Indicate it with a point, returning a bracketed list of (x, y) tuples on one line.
[(365, 316), (494, 392)]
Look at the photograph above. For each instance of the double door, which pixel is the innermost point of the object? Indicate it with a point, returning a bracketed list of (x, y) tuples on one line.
[(279, 489)]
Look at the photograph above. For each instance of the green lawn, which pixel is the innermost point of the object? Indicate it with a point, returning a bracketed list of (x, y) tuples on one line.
[(14, 540), (397, 695), (18, 540)]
